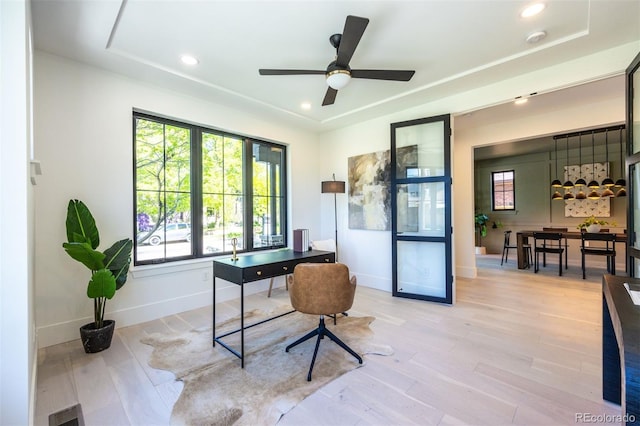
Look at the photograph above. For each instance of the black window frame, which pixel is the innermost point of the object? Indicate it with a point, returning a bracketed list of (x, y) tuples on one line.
[(196, 191), (493, 191)]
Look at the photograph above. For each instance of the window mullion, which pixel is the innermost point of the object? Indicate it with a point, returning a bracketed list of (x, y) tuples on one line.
[(247, 157), (196, 192)]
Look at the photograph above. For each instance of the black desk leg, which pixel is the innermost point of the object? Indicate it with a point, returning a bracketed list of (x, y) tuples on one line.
[(213, 320), (242, 325)]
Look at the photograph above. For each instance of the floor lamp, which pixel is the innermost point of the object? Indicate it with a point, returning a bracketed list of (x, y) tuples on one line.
[(334, 187)]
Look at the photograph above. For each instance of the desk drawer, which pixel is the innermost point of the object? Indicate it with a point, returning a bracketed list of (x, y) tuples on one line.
[(267, 271), (277, 269)]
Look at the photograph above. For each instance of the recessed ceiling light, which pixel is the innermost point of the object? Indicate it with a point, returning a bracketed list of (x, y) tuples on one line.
[(536, 36), (305, 105), (188, 60), (520, 100), (532, 10)]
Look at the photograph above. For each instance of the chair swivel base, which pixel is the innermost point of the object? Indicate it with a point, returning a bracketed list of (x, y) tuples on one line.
[(322, 331)]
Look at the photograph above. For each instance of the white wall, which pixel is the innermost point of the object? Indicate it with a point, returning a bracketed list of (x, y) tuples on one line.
[(368, 253), (83, 137), (570, 113), (17, 344)]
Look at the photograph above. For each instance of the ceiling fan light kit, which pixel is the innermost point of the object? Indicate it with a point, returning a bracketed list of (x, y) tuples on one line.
[(338, 73), (337, 79)]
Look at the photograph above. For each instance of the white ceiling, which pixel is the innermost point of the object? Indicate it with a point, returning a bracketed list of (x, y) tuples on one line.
[(589, 93), (453, 45)]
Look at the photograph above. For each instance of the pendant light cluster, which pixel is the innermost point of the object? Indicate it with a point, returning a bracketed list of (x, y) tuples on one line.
[(580, 183), (608, 184)]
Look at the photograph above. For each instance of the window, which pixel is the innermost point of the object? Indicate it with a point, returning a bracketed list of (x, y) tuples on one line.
[(503, 190), (237, 184)]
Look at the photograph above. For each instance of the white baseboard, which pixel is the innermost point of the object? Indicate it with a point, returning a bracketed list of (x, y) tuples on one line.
[(34, 385), (373, 281), (66, 331), (466, 272)]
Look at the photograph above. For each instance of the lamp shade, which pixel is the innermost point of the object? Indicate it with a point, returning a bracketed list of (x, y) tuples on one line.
[(333, 187), (607, 193), (607, 182), (337, 79), (593, 195)]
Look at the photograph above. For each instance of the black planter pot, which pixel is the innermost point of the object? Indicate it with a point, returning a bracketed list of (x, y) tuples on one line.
[(97, 339)]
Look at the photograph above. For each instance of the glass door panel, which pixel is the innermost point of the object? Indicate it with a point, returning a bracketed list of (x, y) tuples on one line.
[(419, 150), (633, 170), (415, 276), (634, 104), (421, 209), (634, 209)]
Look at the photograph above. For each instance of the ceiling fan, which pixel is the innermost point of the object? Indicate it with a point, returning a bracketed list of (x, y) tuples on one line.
[(338, 73)]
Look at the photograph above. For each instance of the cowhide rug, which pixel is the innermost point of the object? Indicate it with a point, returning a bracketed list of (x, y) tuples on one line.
[(218, 392)]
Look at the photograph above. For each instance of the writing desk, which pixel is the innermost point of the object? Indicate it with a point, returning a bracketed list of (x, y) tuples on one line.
[(621, 346), (522, 238), (255, 267)]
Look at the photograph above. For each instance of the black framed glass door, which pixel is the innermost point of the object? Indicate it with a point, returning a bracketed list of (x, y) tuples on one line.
[(421, 209), (633, 166)]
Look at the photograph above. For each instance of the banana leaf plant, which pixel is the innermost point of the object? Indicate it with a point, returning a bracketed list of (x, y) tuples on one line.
[(109, 269), (481, 220)]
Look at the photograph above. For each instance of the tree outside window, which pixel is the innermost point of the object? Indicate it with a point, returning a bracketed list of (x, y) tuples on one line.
[(237, 184)]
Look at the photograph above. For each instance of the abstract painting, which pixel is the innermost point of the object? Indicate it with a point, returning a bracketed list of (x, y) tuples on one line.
[(369, 185)]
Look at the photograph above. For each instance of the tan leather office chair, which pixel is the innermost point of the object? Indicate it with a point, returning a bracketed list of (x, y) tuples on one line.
[(324, 245), (322, 289)]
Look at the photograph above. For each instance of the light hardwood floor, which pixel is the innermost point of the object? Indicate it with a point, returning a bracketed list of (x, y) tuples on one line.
[(517, 348)]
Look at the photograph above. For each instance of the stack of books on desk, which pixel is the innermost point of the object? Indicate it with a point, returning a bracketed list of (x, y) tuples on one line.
[(300, 240)]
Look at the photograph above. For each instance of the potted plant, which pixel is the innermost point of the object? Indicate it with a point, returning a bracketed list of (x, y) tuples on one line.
[(108, 271), (481, 220), (591, 224)]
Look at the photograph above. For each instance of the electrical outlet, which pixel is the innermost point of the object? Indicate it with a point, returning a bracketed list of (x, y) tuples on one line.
[(205, 276)]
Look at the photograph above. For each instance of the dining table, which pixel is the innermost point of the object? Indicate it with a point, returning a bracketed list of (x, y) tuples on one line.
[(522, 239)]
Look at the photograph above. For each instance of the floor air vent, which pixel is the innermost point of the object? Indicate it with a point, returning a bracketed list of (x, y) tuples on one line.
[(71, 416)]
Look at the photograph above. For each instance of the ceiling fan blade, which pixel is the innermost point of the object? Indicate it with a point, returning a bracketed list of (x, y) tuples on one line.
[(383, 74), (329, 97), (289, 72), (353, 29)]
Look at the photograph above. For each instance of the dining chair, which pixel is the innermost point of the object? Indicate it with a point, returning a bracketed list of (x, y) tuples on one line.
[(566, 243), (599, 244), (547, 242), (505, 247)]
